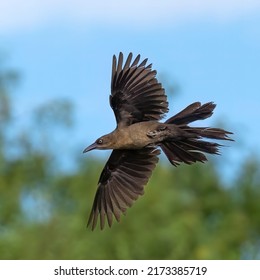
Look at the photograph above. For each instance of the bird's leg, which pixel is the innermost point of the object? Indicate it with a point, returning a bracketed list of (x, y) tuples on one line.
[(156, 132), (152, 134)]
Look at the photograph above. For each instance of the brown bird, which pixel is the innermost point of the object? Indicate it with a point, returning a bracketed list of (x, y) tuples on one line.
[(139, 102)]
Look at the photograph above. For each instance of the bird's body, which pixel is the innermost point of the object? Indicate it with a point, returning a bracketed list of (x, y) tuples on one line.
[(142, 135), (139, 103)]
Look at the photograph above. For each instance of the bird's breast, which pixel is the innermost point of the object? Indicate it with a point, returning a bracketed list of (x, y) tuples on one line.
[(135, 136), (139, 133)]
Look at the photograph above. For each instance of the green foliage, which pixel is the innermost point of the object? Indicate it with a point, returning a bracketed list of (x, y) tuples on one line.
[(186, 212)]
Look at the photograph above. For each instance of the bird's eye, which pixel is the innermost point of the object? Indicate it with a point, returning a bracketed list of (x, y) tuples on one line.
[(100, 141)]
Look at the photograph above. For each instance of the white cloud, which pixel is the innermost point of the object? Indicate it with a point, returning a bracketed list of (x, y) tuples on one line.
[(16, 14)]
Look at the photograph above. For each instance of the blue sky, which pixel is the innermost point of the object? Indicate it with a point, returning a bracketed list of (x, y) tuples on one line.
[(209, 49)]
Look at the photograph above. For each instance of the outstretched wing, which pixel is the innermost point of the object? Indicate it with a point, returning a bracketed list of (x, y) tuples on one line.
[(121, 182), (136, 94)]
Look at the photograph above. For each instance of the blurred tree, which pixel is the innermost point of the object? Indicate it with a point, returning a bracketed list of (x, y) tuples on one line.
[(186, 213)]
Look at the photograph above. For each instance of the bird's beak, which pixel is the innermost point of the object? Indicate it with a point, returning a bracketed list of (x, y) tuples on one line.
[(91, 147)]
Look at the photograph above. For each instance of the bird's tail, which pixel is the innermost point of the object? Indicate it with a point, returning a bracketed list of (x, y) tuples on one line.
[(192, 145)]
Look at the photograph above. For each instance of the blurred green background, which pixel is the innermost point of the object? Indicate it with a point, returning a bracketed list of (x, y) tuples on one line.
[(186, 213), (55, 67)]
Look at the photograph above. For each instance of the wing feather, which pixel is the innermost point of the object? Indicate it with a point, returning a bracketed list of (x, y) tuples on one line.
[(132, 86), (121, 182)]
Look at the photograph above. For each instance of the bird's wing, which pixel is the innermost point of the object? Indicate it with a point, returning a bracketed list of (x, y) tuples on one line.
[(121, 182), (136, 94)]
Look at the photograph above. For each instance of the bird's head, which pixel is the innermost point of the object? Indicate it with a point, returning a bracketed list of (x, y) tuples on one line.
[(104, 142)]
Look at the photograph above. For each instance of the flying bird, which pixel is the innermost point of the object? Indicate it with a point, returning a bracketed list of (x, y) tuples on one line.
[(139, 103)]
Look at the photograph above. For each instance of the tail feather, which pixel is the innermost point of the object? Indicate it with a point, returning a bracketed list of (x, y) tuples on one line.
[(192, 146), (181, 154), (201, 146), (192, 113), (207, 132)]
